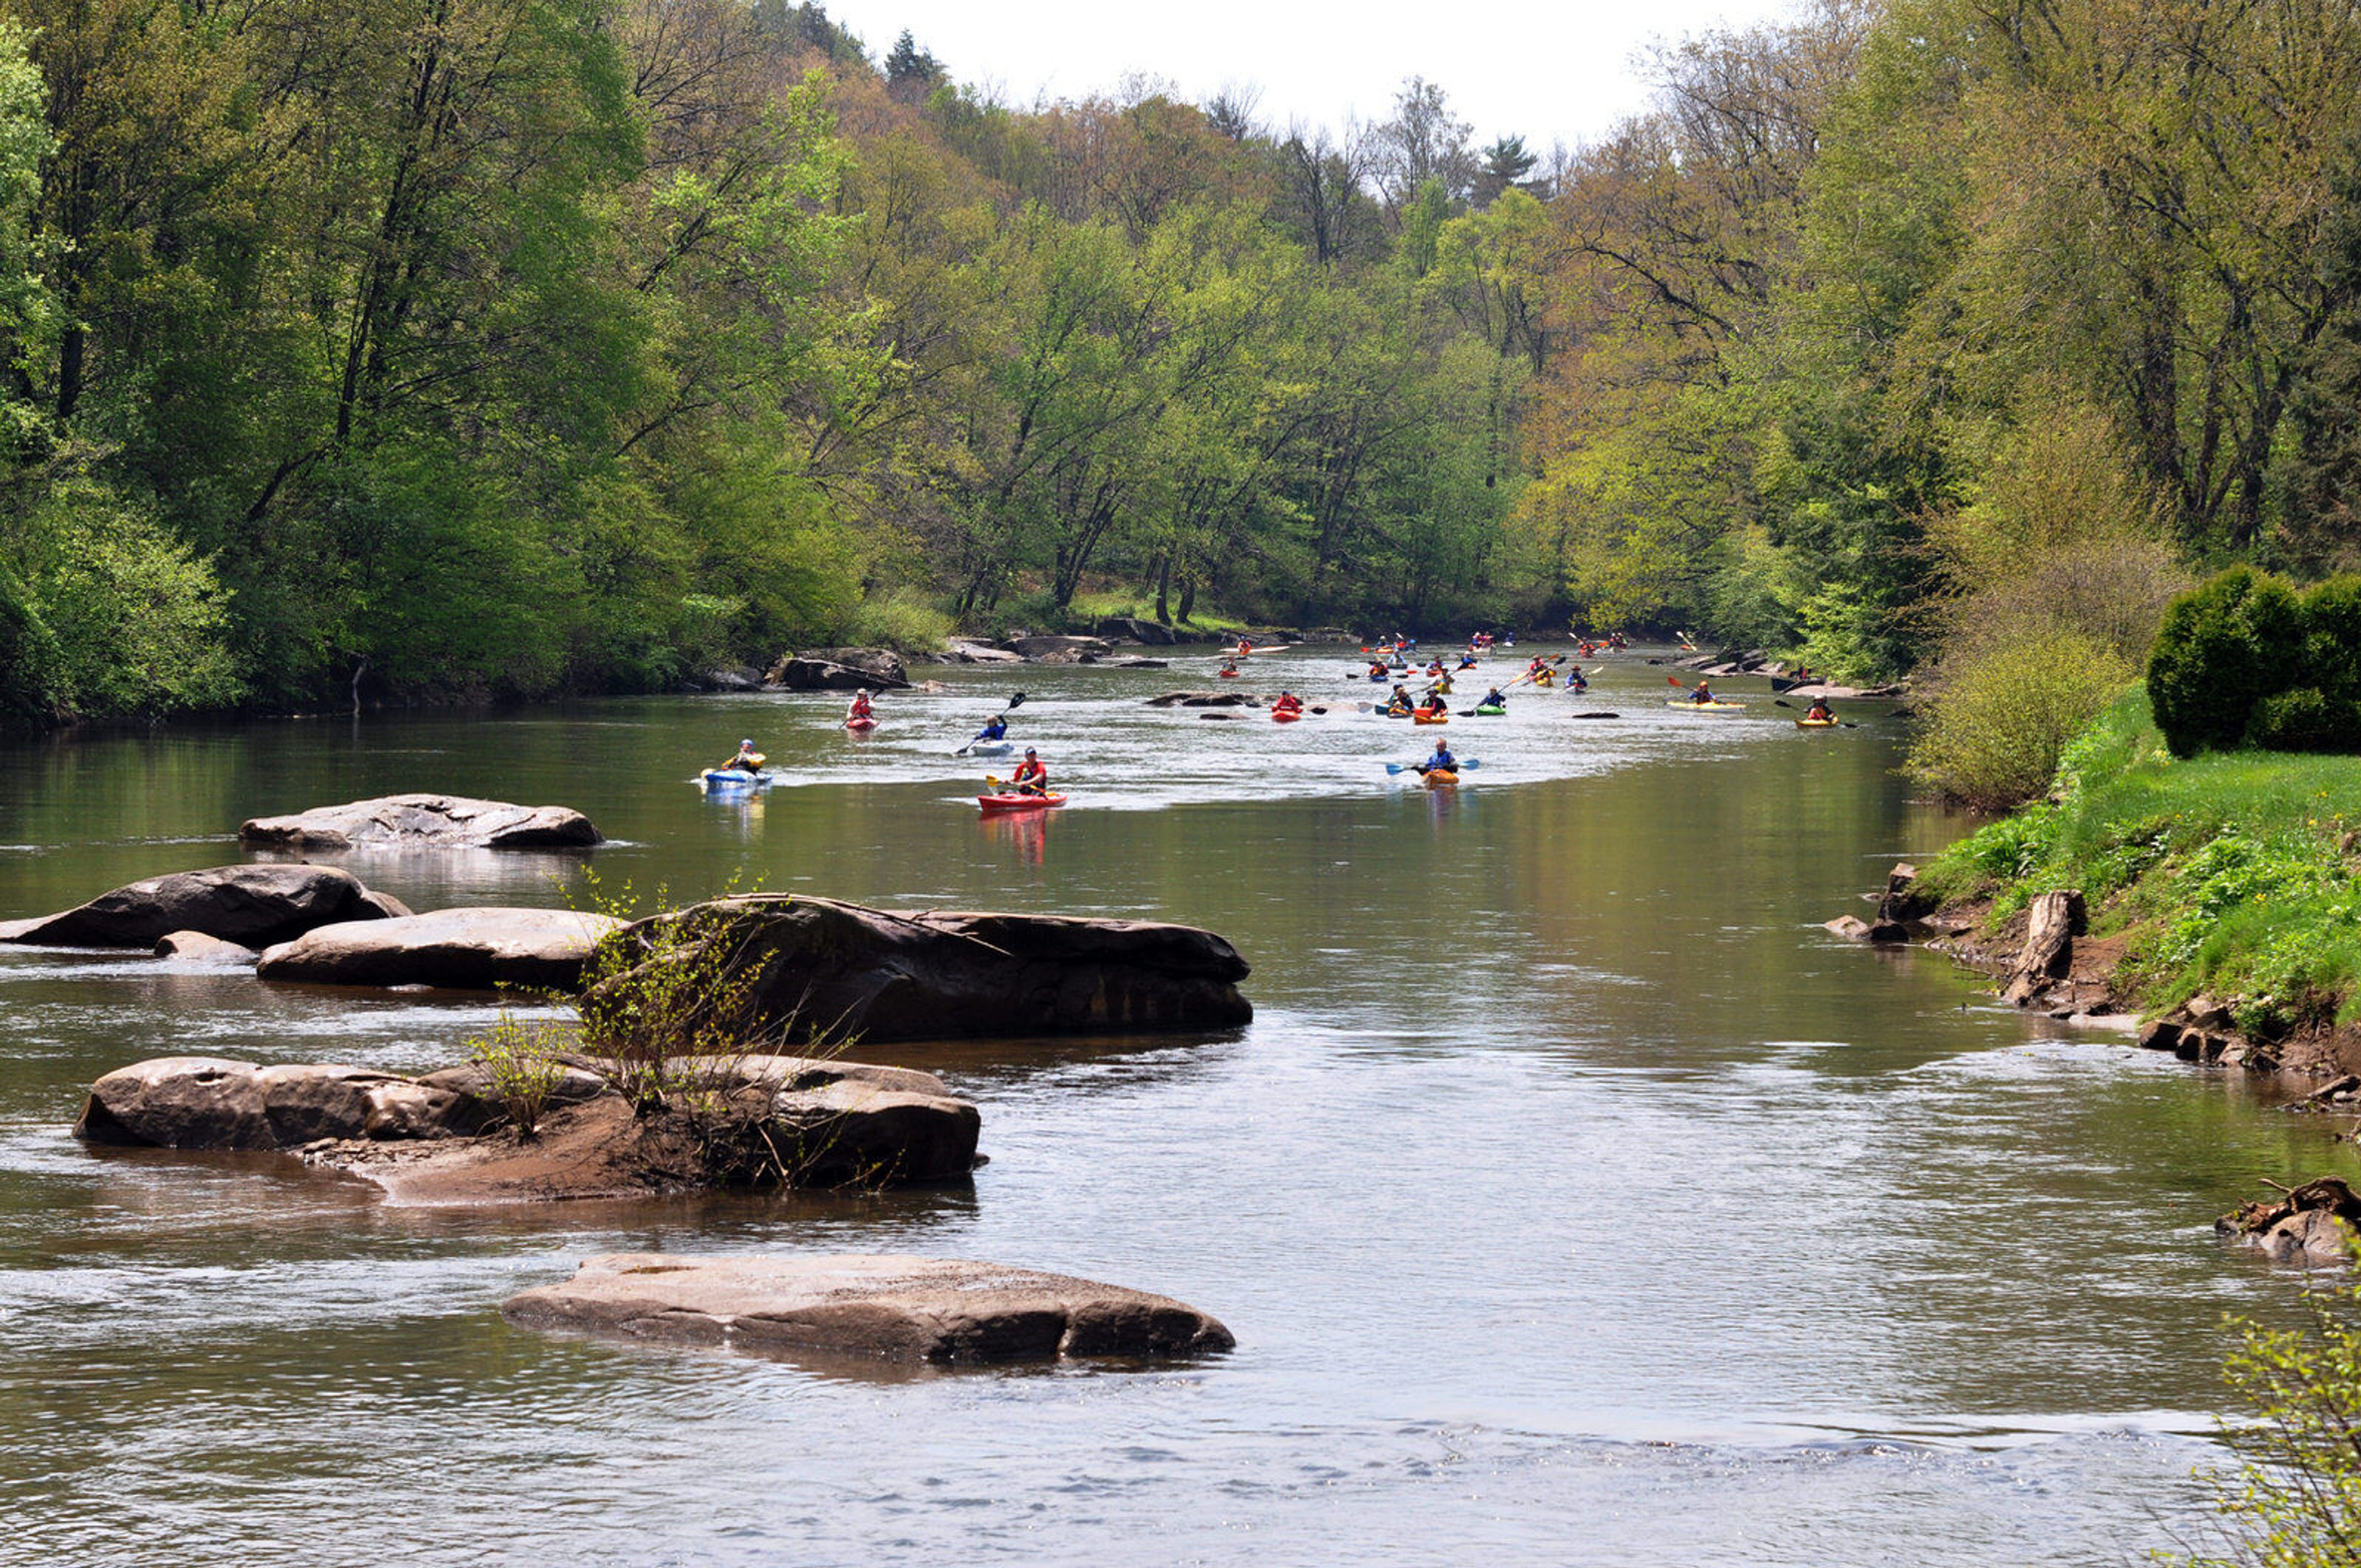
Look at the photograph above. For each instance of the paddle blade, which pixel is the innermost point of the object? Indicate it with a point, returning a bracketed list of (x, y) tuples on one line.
[(1676, 681)]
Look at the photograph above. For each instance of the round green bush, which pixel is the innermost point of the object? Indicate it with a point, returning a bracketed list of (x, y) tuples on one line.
[(2223, 647), (2331, 637), (2306, 719)]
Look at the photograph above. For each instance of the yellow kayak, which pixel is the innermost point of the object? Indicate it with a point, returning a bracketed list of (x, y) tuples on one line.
[(1685, 705), (1818, 723)]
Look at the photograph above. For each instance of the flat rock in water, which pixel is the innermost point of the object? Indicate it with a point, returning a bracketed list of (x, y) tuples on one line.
[(425, 822), (195, 946), (1205, 699), (979, 653), (213, 1103), (834, 970), (252, 905), (459, 950), (911, 1310)]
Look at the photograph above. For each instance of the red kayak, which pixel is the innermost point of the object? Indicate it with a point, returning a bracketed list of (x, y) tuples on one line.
[(1287, 716), (860, 724), (1020, 802)]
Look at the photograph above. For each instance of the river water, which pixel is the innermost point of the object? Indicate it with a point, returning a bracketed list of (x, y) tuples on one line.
[(1573, 1195)]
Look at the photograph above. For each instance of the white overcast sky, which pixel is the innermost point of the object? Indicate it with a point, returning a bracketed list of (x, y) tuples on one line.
[(1547, 72)]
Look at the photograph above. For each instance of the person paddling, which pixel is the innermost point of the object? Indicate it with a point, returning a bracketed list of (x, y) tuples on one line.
[(747, 761), (1573, 679), (1820, 712), (1494, 699), (994, 729), (860, 707), (1288, 703), (1031, 777), (1441, 762), (1398, 704), (1703, 695)]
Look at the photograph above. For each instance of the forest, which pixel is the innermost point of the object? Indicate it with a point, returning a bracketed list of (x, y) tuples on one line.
[(425, 350)]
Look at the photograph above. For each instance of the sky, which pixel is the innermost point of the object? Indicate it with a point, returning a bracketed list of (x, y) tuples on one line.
[(1550, 72)]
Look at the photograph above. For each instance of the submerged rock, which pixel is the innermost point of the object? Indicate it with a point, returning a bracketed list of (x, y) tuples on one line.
[(825, 969), (2312, 1226), (198, 948), (425, 822), (457, 950), (251, 906), (912, 1309)]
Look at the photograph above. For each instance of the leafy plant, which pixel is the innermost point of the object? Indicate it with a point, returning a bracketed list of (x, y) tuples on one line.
[(522, 1067), (2296, 1501)]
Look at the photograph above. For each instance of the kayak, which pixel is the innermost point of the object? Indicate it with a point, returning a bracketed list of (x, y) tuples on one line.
[(991, 803), (1229, 675), (1545, 679), (858, 724), (993, 749), (1489, 711), (1441, 778), (1819, 724), (732, 778), (1705, 706), (1425, 718), (1287, 716)]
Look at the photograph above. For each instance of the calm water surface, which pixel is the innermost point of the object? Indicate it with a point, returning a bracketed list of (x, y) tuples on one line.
[(1574, 1197)]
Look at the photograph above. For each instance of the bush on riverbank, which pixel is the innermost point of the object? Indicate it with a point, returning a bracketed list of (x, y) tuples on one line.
[(2297, 1502), (2230, 873), (2243, 659)]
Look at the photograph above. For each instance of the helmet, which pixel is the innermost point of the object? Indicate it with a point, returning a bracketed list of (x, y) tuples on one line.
[(1029, 752), (745, 745), (863, 692)]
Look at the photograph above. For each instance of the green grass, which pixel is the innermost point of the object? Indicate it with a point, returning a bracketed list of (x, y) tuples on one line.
[(2227, 870)]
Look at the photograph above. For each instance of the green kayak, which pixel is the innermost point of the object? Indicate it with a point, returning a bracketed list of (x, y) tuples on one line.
[(1489, 711)]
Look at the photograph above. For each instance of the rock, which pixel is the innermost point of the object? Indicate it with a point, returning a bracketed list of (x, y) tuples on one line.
[(2193, 1045), (1147, 632), (2205, 1013), (1205, 699), (827, 970), (1886, 932), (457, 950), (979, 653), (1056, 650), (198, 948), (1138, 664), (1850, 928), (212, 1103), (2056, 918), (254, 905), (1903, 899), (425, 822), (2314, 1238), (912, 1309), (881, 665), (801, 675), (2163, 1035), (727, 679)]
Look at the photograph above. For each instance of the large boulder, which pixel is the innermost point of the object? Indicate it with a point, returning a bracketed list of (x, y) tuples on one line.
[(912, 1309), (816, 969), (425, 822), (251, 906), (1137, 630), (212, 1103), (808, 671), (457, 950), (978, 654), (1206, 699), (1048, 650), (449, 1137)]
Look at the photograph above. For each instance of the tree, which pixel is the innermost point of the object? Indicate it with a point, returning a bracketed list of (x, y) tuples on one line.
[(910, 73), (1424, 141), (1505, 165)]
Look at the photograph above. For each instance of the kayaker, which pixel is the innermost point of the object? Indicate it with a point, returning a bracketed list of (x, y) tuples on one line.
[(1377, 669), (1288, 703), (994, 729), (1433, 704), (1244, 648), (1820, 712), (1031, 777), (1230, 666), (1703, 695), (747, 761), (860, 707), (1441, 759), (1467, 660), (1493, 699), (1400, 703), (1573, 679), (1535, 668)]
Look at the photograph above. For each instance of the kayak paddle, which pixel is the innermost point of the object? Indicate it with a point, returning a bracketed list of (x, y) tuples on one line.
[(1464, 765)]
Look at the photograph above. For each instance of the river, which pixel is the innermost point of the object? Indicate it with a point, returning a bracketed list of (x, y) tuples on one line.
[(1573, 1195)]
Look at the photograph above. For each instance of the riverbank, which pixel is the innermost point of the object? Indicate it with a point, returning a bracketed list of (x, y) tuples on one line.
[(2217, 890)]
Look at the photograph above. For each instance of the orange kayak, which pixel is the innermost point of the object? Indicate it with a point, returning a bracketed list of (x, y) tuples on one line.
[(1424, 718), (1020, 802)]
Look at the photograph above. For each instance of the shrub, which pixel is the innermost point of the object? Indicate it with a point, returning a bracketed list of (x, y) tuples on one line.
[(521, 1062), (2331, 637), (2223, 647), (2306, 719), (2298, 1497), (1998, 717)]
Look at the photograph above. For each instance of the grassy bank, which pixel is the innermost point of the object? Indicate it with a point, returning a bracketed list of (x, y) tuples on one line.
[(2229, 873)]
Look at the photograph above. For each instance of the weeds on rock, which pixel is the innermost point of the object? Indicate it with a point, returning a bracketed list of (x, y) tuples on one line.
[(523, 1065)]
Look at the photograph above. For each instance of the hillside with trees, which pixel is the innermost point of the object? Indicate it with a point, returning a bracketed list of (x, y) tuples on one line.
[(447, 348)]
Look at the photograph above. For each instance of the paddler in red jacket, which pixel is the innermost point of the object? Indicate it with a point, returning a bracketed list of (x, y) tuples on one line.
[(1031, 777)]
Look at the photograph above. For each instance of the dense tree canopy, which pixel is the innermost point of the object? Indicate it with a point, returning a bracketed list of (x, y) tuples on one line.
[(425, 348)]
